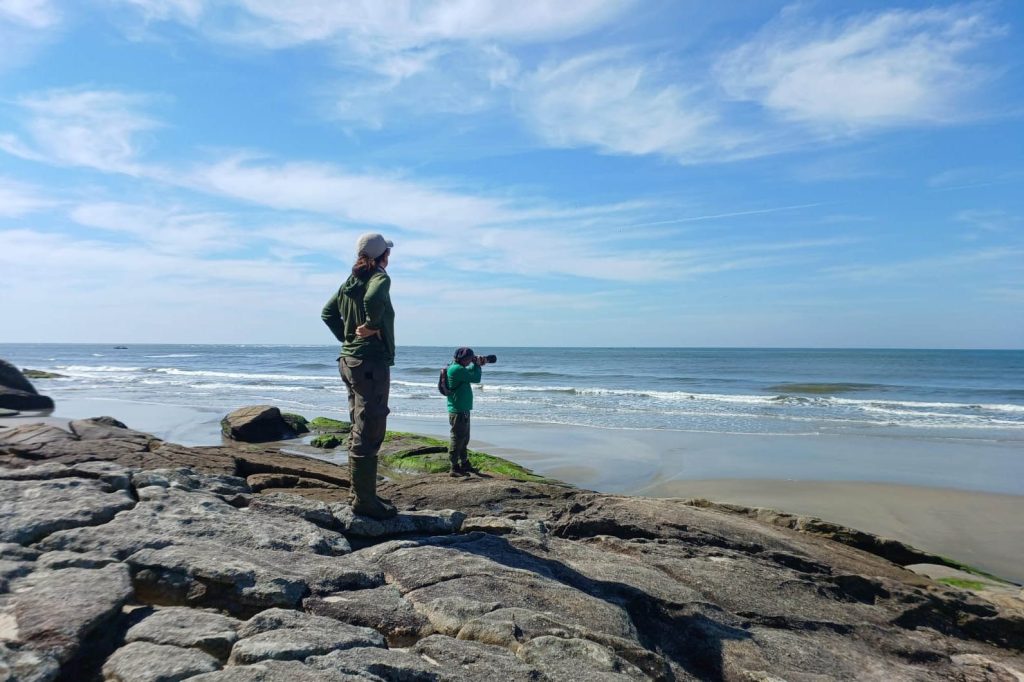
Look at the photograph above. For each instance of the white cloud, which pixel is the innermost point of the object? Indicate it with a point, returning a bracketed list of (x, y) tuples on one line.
[(445, 57), (386, 24), (18, 199), (163, 229), (891, 68), (620, 105), (32, 14), (98, 129), (361, 198)]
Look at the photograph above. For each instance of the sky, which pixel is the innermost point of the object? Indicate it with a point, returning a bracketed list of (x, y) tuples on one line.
[(591, 173)]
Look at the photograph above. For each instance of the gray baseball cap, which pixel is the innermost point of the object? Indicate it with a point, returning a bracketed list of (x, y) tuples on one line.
[(373, 245)]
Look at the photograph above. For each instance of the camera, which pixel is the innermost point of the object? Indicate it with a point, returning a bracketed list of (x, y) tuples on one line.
[(491, 359)]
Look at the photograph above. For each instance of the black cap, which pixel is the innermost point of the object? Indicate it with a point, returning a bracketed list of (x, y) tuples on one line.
[(464, 353)]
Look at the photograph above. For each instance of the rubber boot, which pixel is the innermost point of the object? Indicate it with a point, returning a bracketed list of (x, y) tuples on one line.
[(455, 469), (363, 472)]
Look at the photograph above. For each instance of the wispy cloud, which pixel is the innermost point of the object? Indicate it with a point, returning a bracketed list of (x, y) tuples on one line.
[(18, 199), (164, 229), (99, 129), (32, 14), (926, 268), (383, 25), (622, 105), (396, 56), (876, 69), (364, 198)]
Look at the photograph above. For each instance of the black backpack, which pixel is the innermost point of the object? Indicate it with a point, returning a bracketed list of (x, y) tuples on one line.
[(442, 383)]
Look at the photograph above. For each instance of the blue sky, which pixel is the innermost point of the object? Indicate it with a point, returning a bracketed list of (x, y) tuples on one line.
[(596, 173)]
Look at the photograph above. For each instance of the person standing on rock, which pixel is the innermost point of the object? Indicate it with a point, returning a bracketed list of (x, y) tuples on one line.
[(464, 370), (360, 315)]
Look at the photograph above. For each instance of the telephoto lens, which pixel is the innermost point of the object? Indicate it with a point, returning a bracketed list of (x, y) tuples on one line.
[(491, 359)]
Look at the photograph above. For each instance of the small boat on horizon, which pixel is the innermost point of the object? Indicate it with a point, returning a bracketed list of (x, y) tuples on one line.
[(120, 347)]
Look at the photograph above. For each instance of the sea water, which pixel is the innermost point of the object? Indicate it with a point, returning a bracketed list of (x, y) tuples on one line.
[(928, 394)]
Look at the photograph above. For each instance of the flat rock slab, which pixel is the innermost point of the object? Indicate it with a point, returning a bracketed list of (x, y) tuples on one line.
[(176, 516), (28, 438), (53, 612), (31, 510), (26, 665), (147, 662), (465, 661), (241, 580), (279, 671), (294, 505), (209, 631), (442, 522), (281, 634), (184, 478), (487, 568), (383, 609)]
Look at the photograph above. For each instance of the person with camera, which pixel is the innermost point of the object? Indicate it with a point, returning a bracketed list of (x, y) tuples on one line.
[(462, 372), (360, 315)]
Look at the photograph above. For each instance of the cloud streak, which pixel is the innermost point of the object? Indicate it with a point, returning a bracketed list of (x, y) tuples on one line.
[(890, 68), (98, 129)]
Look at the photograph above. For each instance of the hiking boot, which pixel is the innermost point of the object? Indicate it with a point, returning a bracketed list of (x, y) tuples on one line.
[(363, 472), (466, 467)]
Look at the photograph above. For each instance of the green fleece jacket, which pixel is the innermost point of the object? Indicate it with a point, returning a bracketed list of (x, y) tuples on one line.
[(358, 302), (459, 379)]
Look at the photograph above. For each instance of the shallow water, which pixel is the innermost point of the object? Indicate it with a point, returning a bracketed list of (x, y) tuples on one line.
[(904, 393)]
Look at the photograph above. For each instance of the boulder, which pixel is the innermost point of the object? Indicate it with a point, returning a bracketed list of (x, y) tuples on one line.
[(17, 393), (297, 422), (256, 424)]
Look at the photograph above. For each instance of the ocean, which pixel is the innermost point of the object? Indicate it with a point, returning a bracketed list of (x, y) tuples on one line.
[(920, 394)]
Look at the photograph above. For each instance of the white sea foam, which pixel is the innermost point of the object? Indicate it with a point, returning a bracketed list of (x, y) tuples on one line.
[(249, 387), (174, 371), (98, 368), (175, 355)]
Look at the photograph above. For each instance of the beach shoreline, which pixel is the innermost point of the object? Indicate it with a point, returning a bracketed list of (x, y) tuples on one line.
[(969, 522)]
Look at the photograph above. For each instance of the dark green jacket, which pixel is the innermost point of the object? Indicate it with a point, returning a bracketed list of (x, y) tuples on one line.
[(359, 302), (459, 379)]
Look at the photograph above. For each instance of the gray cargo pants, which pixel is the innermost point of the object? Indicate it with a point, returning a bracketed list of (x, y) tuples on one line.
[(368, 383), (459, 422)]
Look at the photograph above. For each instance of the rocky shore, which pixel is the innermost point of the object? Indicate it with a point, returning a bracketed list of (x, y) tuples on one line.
[(132, 559)]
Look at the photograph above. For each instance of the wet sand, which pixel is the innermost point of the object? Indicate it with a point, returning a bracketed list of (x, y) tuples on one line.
[(965, 501), (983, 530)]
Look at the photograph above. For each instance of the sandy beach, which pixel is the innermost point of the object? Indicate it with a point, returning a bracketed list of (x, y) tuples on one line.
[(968, 508)]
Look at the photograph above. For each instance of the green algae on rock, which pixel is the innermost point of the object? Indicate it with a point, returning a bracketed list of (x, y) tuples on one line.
[(327, 441), (40, 374), (328, 425), (297, 422), (412, 453)]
